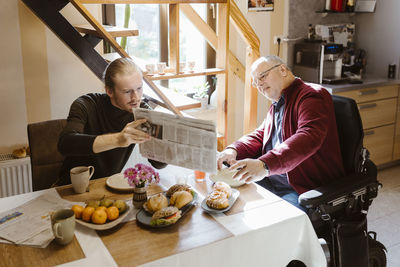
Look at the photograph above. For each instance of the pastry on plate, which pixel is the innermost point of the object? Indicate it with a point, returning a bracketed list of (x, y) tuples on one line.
[(217, 200), (180, 199), (155, 203), (223, 187), (176, 188)]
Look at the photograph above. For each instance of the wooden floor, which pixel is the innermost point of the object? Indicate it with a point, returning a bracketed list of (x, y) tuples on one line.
[(384, 214)]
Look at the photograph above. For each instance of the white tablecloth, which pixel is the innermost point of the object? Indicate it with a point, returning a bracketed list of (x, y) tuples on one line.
[(269, 234)]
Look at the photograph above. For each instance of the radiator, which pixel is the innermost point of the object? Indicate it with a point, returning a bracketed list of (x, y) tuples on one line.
[(15, 176)]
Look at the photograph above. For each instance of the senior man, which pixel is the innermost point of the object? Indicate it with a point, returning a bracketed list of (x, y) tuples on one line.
[(296, 148)]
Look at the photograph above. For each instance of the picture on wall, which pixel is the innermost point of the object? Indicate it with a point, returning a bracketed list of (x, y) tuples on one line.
[(260, 5)]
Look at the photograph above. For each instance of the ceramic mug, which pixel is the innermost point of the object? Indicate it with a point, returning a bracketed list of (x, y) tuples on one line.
[(161, 67), (190, 65), (182, 66), (80, 177), (151, 69), (63, 225)]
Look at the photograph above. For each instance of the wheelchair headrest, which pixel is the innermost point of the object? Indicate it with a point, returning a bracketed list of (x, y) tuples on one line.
[(350, 132)]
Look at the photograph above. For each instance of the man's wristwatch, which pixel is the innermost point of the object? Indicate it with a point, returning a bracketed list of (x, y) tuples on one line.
[(266, 168)]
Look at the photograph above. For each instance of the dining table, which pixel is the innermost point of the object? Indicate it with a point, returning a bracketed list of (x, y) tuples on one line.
[(260, 229)]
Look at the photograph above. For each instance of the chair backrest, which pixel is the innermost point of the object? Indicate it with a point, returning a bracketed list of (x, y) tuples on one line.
[(350, 131), (46, 161)]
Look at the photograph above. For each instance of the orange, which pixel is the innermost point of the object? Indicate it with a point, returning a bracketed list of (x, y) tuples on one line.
[(78, 209), (99, 216), (101, 208), (87, 214), (112, 213)]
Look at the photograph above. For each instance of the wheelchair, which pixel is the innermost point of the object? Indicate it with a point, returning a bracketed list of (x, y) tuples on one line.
[(338, 211)]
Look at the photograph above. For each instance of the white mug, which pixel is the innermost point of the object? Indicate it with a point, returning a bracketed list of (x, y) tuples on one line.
[(161, 67), (63, 225), (190, 65), (182, 66), (151, 69), (80, 177)]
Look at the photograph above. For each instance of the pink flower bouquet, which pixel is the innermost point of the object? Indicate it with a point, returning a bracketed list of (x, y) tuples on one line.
[(141, 175)]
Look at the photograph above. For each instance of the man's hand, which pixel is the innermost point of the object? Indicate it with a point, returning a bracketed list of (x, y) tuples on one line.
[(129, 135), (250, 170), (228, 155)]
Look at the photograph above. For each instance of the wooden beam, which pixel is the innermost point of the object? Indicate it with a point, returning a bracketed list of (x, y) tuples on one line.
[(243, 27), (221, 62), (208, 33), (167, 76), (161, 95), (174, 36), (112, 30), (236, 67), (250, 95)]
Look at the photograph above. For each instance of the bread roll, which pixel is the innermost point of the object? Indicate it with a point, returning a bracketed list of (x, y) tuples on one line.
[(155, 203), (180, 199), (176, 188), (19, 153), (223, 187), (217, 200)]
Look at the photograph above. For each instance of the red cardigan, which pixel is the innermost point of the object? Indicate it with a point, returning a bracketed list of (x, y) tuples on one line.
[(310, 151)]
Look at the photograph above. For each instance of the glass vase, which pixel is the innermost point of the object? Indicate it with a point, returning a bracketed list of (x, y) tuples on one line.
[(139, 196)]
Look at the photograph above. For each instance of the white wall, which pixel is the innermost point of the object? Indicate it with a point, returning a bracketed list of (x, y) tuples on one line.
[(12, 91)]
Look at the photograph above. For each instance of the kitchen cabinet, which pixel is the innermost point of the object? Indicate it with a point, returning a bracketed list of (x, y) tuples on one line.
[(379, 110), (396, 149)]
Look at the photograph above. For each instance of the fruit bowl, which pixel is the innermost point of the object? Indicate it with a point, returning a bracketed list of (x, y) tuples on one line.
[(107, 225)]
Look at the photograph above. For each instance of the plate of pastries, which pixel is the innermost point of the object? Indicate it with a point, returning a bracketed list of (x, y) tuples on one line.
[(221, 198), (226, 175), (165, 209)]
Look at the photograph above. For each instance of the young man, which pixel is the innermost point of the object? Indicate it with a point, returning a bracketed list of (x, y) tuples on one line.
[(296, 148), (101, 130)]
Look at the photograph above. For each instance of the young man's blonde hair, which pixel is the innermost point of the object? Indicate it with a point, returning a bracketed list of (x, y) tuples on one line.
[(120, 66)]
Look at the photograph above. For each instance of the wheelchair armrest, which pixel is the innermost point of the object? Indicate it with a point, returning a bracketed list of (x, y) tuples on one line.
[(342, 187)]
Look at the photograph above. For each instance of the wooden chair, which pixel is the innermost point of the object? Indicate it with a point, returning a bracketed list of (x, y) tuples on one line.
[(46, 161)]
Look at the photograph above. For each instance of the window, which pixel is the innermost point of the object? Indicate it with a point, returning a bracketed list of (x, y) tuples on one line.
[(146, 19), (146, 46)]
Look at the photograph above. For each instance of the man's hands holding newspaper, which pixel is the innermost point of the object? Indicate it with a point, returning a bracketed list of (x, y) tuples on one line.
[(132, 135)]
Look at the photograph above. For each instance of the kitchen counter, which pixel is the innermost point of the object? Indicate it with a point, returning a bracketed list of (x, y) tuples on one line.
[(368, 82)]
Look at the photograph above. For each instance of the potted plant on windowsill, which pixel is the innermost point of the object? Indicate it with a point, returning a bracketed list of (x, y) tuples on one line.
[(201, 94)]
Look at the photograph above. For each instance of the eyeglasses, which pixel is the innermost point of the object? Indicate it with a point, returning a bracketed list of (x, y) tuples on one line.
[(263, 75)]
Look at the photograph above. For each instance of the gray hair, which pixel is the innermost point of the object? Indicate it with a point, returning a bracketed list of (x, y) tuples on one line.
[(273, 59)]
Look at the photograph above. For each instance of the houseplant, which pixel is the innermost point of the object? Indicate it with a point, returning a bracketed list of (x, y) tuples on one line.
[(201, 94), (139, 177)]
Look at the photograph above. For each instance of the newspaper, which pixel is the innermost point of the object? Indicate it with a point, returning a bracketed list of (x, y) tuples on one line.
[(30, 224), (185, 142)]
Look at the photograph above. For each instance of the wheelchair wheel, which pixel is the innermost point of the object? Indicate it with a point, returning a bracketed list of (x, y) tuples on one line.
[(377, 252)]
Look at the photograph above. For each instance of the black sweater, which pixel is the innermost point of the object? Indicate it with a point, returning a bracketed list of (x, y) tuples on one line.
[(89, 116)]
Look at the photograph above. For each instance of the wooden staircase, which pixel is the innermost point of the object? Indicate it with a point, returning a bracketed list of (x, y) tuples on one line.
[(82, 40)]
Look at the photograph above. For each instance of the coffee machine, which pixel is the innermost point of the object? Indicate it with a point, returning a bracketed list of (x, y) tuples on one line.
[(318, 62)]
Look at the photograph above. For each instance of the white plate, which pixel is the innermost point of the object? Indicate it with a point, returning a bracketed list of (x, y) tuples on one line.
[(231, 201), (225, 175), (119, 182), (108, 225)]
